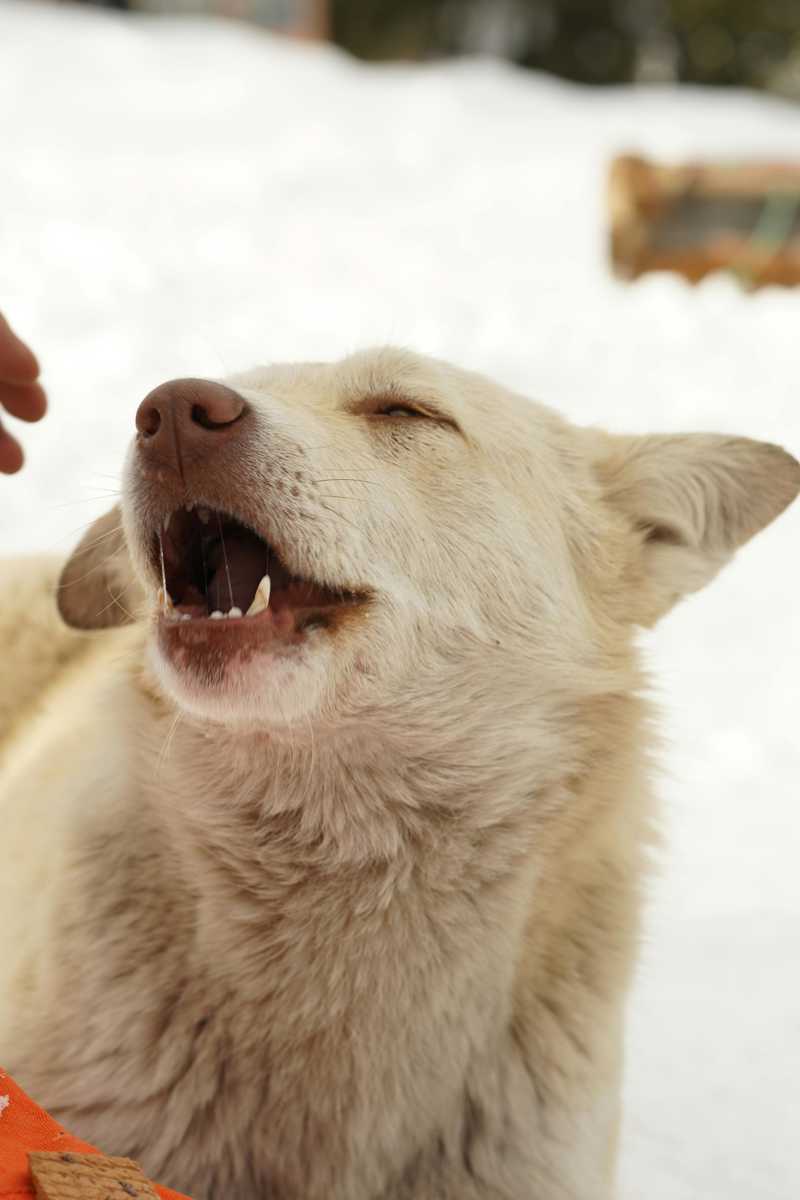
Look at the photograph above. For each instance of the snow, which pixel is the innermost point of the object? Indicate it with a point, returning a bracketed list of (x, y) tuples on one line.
[(187, 197)]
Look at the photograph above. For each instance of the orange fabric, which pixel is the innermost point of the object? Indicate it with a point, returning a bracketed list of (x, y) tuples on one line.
[(23, 1127)]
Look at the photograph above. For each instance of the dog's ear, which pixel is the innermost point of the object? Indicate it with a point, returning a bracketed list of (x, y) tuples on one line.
[(97, 588), (692, 500)]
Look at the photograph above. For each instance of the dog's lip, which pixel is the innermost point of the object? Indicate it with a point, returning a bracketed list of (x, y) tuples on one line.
[(286, 625)]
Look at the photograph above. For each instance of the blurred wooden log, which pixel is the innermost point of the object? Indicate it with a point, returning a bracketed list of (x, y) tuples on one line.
[(705, 217)]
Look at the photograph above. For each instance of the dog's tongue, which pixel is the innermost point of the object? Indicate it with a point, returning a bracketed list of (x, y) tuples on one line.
[(236, 567)]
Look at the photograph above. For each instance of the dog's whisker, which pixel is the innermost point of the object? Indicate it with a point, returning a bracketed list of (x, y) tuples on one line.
[(102, 537), (162, 758), (225, 557), (164, 592), (334, 513), (88, 525), (376, 483), (98, 566), (115, 599), (205, 573), (87, 500), (333, 496), (331, 447), (350, 479)]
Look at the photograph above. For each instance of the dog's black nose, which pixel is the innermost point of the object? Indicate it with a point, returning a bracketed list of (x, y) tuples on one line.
[(188, 420)]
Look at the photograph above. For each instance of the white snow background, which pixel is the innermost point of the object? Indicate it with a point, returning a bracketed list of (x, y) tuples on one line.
[(189, 197)]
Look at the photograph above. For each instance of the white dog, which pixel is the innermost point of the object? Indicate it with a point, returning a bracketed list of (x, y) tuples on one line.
[(321, 873)]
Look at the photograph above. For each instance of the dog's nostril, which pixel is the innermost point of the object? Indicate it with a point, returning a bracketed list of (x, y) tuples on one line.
[(148, 420), (223, 411), (201, 417)]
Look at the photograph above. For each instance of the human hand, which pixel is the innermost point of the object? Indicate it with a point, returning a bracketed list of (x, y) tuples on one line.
[(20, 394)]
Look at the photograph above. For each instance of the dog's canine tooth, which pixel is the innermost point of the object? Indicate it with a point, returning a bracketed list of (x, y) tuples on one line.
[(261, 599), (258, 605)]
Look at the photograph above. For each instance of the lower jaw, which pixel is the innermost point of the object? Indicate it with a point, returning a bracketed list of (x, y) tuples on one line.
[(213, 671), (213, 652), (269, 632)]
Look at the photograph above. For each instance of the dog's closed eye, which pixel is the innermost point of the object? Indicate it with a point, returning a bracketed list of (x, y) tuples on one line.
[(399, 408)]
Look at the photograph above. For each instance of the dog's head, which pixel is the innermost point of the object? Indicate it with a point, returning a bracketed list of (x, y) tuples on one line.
[(307, 541)]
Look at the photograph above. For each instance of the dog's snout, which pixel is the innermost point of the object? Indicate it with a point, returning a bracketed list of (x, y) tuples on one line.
[(188, 419), (193, 407)]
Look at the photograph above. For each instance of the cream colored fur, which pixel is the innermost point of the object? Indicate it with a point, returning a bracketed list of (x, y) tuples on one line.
[(361, 929)]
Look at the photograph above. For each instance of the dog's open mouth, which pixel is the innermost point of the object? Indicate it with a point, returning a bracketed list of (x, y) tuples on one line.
[(215, 570)]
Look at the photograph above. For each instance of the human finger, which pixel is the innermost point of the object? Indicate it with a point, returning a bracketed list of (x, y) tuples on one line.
[(11, 456), (18, 363), (26, 401)]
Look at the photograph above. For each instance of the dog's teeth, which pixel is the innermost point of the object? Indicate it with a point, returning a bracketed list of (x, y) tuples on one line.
[(204, 515), (258, 605), (261, 599), (217, 615), (189, 505), (235, 612), (167, 520), (186, 616)]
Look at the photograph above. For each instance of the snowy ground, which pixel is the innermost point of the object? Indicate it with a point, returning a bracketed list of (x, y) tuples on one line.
[(190, 198)]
